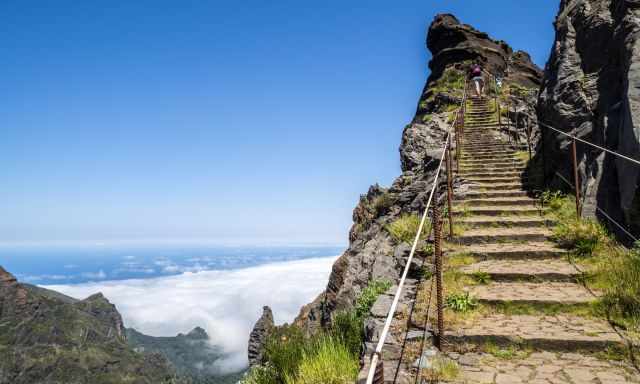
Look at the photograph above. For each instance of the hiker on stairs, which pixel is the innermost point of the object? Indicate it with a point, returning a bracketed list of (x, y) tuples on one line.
[(475, 73)]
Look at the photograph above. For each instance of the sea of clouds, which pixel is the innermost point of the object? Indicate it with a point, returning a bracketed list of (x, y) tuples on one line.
[(225, 303)]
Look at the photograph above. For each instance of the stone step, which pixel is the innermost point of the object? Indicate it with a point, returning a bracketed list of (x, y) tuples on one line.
[(499, 162), (491, 179), (558, 333), (503, 210), (497, 201), (493, 235), (504, 222), (544, 367), (484, 187), (494, 194), (498, 173), (544, 293), (484, 157), (501, 168), (506, 251), (524, 269)]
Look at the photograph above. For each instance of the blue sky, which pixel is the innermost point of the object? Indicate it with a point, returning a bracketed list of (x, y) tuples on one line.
[(232, 121)]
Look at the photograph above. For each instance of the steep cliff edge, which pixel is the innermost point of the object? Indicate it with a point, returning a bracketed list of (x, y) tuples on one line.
[(590, 89), (46, 337), (373, 254)]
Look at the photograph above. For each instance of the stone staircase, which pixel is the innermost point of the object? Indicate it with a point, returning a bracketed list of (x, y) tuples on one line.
[(532, 326)]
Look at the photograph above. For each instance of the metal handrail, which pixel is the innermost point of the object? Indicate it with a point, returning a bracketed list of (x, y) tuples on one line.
[(376, 355), (635, 161)]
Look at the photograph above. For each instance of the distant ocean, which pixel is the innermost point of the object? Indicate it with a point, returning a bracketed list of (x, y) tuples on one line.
[(93, 263)]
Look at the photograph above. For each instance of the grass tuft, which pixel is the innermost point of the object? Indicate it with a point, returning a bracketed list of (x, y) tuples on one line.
[(404, 229)]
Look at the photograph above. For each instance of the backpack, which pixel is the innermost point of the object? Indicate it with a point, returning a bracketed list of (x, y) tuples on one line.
[(476, 71)]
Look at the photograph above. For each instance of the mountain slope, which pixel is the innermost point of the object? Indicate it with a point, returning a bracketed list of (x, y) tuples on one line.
[(46, 337)]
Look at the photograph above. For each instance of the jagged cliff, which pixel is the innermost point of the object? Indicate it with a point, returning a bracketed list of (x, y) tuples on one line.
[(46, 337), (590, 88), (372, 253)]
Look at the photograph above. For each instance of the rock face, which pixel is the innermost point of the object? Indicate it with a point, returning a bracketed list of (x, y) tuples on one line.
[(46, 337), (372, 253), (590, 88), (261, 331), (452, 42)]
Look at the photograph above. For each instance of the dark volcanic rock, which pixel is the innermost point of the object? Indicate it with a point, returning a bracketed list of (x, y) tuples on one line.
[(590, 88), (261, 331), (452, 42), (48, 338)]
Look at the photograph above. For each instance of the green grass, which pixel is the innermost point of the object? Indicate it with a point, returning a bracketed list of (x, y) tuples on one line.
[(461, 302), (508, 353), (369, 295), (443, 369), (330, 363), (481, 277), (614, 269), (404, 229), (329, 356)]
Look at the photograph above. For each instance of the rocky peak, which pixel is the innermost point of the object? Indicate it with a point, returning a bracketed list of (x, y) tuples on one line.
[(197, 333), (6, 279), (98, 306), (261, 331), (452, 42)]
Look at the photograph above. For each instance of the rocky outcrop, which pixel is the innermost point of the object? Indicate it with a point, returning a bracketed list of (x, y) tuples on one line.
[(590, 89), (47, 338), (452, 42), (261, 331), (372, 253)]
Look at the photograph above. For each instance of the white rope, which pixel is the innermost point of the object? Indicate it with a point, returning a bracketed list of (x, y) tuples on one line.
[(396, 298)]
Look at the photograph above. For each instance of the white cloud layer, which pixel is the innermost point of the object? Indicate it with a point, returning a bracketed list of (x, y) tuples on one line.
[(225, 303)]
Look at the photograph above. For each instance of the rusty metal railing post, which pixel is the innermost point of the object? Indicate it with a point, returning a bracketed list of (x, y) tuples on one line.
[(449, 190), (576, 179), (437, 236), (529, 136)]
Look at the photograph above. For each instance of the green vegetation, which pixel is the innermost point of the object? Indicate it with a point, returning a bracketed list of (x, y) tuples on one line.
[(614, 269), (508, 353), (404, 229), (442, 369), (330, 356), (461, 302), (369, 295), (330, 363), (427, 118), (481, 277)]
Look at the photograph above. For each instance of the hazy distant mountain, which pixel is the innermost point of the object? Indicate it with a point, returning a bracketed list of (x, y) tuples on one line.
[(191, 354)]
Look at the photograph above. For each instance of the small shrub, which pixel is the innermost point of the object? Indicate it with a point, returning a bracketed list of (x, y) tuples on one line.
[(261, 375), (382, 203), (482, 277), (284, 350), (404, 229), (330, 363), (348, 328), (369, 295), (442, 369), (427, 118), (461, 302)]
